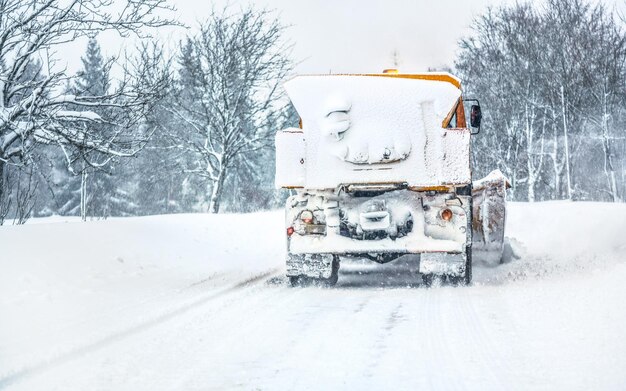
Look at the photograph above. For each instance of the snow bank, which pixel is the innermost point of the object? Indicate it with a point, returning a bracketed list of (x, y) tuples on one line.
[(67, 283), (570, 229), (560, 238)]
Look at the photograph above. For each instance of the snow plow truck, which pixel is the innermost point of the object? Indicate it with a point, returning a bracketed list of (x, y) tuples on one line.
[(380, 168)]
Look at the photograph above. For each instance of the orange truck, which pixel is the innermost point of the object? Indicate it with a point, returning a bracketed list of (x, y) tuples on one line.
[(380, 168)]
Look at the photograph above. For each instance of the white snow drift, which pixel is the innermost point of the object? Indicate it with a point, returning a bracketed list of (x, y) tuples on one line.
[(197, 302)]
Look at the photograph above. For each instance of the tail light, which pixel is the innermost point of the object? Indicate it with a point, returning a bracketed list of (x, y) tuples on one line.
[(290, 231), (446, 214)]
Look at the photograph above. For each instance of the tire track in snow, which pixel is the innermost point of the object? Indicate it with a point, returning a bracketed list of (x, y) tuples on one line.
[(491, 360), (438, 342), (104, 315), (506, 362), (259, 315), (380, 346), (129, 332), (359, 308)]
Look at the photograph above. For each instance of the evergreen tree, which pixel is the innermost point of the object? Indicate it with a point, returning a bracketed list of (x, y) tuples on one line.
[(159, 178), (87, 190), (93, 78)]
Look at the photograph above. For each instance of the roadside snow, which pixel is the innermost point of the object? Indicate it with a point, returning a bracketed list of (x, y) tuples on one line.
[(199, 302), (65, 285), (562, 239)]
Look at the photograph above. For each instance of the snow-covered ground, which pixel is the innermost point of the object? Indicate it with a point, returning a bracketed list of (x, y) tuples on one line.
[(199, 302)]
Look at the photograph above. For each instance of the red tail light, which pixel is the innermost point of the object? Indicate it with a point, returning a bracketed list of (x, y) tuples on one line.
[(290, 231)]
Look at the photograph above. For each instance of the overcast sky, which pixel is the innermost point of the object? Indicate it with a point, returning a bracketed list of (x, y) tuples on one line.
[(360, 36), (348, 35)]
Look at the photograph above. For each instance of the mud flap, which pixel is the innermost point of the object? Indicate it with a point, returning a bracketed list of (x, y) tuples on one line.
[(443, 264), (310, 265), (489, 218)]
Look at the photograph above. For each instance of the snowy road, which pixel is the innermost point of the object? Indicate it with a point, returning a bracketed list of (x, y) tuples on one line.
[(553, 319)]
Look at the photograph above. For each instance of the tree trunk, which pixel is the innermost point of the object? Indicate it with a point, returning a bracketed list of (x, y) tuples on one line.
[(609, 168), (529, 155), (83, 195), (216, 193), (1, 181), (567, 167), (554, 155), (531, 188), (3, 195)]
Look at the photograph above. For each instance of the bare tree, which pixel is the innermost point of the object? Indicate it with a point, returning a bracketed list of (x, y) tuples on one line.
[(33, 108), (229, 80), (552, 80)]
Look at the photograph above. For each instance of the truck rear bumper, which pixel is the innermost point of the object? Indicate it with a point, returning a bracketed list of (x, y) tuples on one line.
[(341, 245), (409, 223)]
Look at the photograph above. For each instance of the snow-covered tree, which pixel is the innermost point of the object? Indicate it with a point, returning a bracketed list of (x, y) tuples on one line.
[(86, 190), (158, 169), (551, 81), (229, 83), (34, 108)]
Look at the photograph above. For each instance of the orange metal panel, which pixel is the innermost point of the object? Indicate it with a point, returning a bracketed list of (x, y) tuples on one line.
[(445, 77)]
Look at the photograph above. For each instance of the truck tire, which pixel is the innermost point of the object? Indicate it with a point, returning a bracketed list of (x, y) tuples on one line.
[(466, 278), (334, 275), (433, 279), (427, 280), (296, 280)]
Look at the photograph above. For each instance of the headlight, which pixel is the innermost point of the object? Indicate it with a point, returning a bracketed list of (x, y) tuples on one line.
[(306, 216)]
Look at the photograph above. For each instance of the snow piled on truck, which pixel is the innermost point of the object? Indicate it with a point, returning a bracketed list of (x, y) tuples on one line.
[(368, 129)]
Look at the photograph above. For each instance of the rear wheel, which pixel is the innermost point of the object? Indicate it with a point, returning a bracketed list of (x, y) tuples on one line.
[(466, 278), (468, 266), (334, 275), (433, 280), (296, 280)]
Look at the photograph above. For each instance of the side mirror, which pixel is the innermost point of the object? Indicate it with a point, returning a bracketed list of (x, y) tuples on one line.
[(476, 117)]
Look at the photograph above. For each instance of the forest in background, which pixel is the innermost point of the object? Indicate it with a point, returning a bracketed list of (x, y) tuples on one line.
[(155, 132), (551, 80)]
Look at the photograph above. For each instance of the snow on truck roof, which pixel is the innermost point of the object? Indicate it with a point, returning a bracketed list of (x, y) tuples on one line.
[(374, 128), (376, 90)]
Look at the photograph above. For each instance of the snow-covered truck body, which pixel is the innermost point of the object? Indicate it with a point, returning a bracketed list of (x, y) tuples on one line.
[(381, 168)]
